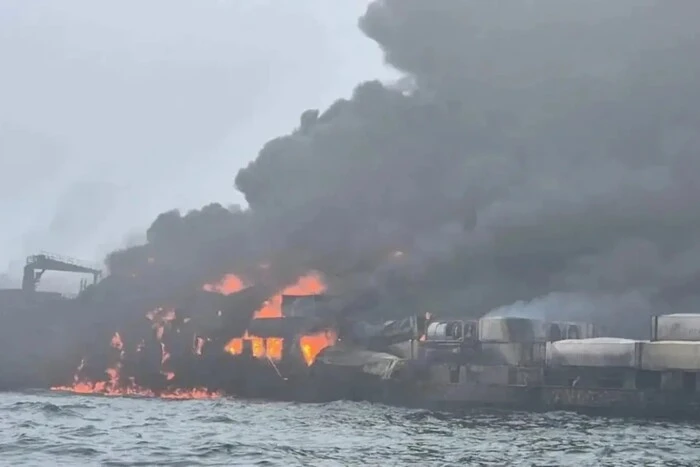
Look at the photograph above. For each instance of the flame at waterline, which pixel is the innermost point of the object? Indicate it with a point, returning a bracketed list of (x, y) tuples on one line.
[(117, 386)]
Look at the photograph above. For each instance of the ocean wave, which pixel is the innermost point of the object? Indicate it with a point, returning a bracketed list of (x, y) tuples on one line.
[(46, 429)]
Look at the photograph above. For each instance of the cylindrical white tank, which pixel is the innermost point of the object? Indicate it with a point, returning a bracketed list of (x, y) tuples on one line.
[(445, 331)]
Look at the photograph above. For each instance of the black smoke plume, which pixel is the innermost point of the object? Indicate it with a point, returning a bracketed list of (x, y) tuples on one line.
[(540, 150)]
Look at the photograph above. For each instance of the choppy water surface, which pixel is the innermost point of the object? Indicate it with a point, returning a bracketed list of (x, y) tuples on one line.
[(57, 429)]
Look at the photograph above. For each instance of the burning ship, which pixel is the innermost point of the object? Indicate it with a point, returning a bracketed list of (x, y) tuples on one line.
[(224, 338), (298, 343)]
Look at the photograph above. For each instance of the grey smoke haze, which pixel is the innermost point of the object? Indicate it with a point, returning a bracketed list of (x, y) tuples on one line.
[(614, 309), (112, 112), (545, 150), (577, 160)]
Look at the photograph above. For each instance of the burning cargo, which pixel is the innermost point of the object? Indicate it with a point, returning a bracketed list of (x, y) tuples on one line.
[(299, 343), (226, 338)]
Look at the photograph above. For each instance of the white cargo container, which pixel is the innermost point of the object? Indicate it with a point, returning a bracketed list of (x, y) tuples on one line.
[(595, 352), (671, 355), (508, 329), (676, 327)]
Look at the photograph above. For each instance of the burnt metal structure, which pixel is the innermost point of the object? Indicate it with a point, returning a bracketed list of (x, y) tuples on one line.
[(37, 265)]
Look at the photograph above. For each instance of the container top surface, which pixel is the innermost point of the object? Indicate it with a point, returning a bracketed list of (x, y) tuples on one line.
[(596, 340), (510, 319), (661, 343)]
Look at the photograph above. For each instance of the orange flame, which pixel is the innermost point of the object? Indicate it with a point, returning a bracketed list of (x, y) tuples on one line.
[(260, 347), (272, 347), (116, 387), (309, 284), (313, 344), (235, 345), (229, 284)]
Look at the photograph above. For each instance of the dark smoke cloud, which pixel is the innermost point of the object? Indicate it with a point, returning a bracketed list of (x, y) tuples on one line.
[(542, 150)]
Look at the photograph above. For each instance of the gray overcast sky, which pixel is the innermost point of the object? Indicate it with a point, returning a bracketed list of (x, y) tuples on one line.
[(114, 111)]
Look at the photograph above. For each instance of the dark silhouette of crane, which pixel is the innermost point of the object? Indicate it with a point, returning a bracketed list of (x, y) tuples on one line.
[(37, 265)]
